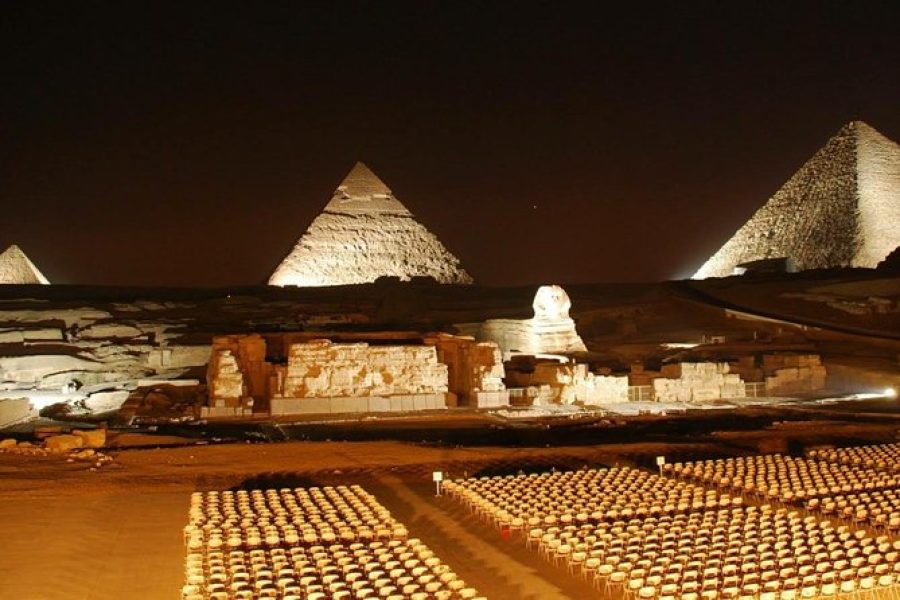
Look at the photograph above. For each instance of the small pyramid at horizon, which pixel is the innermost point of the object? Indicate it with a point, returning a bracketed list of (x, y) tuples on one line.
[(363, 233), (16, 268), (840, 209)]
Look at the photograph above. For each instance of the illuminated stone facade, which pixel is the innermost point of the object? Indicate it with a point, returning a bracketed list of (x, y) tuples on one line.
[(697, 382), (365, 233), (567, 383), (320, 376), (321, 369), (841, 209), (16, 268)]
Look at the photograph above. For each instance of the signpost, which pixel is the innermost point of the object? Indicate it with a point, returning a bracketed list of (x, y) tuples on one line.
[(437, 477), (660, 461)]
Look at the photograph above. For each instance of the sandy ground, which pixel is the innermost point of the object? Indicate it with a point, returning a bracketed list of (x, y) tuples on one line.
[(73, 534)]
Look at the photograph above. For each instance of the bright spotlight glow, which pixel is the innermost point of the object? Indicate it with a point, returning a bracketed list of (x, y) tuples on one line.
[(890, 392)]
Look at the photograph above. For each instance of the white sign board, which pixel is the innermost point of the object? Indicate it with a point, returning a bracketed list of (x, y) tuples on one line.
[(660, 461), (437, 476)]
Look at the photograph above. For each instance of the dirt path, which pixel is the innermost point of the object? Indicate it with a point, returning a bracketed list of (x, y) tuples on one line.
[(498, 567)]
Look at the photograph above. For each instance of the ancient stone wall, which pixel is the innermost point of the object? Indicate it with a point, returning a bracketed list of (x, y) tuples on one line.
[(475, 369), (697, 382), (321, 369), (566, 383), (788, 374)]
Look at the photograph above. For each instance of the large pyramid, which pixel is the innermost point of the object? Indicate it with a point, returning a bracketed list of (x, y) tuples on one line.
[(842, 208), (15, 268), (365, 233)]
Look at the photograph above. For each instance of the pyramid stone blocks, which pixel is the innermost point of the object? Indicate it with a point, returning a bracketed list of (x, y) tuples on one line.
[(841, 209), (16, 268), (365, 233)]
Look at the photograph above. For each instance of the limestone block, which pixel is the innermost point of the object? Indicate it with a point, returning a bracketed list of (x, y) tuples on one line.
[(63, 443), (106, 401), (379, 404), (33, 369), (15, 410), (396, 403), (110, 330), (12, 336), (94, 438)]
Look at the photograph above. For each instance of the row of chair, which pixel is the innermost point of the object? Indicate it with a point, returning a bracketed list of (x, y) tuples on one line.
[(330, 543), (783, 478), (581, 496), (883, 457), (394, 570), (272, 518)]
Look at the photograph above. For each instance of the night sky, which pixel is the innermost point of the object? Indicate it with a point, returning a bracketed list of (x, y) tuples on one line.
[(192, 144)]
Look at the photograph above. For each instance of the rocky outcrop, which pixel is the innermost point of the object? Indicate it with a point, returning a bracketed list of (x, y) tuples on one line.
[(363, 234), (841, 209)]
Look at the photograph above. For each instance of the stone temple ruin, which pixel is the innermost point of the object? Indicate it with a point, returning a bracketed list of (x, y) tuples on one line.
[(365, 233), (16, 268), (841, 209), (295, 374)]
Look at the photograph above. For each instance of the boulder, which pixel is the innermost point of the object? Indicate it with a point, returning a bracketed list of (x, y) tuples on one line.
[(94, 438), (63, 443), (7, 443)]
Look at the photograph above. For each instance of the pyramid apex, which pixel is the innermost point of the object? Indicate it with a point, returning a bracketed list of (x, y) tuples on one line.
[(361, 181), (362, 191)]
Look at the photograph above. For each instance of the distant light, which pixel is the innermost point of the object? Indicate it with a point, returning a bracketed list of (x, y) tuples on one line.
[(890, 392)]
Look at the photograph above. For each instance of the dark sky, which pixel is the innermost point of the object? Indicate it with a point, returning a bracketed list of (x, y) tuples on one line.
[(192, 143)]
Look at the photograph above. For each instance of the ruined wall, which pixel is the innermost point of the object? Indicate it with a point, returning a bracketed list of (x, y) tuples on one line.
[(840, 209), (788, 374), (566, 383), (697, 382), (475, 370), (321, 369)]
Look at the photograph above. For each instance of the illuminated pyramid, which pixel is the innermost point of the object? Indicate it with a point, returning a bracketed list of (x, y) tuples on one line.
[(365, 233), (841, 209), (15, 268)]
